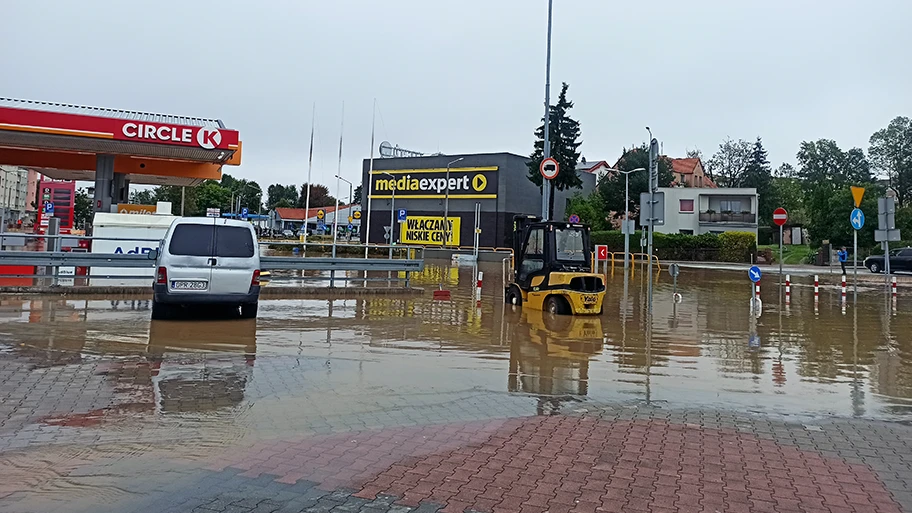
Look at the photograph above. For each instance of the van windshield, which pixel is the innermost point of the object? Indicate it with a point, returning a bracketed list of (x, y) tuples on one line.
[(192, 240), (234, 242)]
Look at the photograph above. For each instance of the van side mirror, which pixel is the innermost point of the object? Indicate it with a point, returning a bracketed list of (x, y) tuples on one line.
[(153, 254)]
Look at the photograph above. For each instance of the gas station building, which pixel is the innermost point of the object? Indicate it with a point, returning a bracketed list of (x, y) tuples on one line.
[(497, 183), (114, 148)]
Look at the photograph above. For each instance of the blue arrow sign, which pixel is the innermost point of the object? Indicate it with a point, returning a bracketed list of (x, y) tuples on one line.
[(754, 273), (857, 219), (402, 214)]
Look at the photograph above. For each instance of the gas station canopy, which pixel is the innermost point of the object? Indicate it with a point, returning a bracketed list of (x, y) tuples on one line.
[(71, 142)]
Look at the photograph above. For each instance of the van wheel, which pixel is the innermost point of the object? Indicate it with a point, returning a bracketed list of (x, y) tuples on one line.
[(161, 311), (556, 305), (249, 310), (513, 296)]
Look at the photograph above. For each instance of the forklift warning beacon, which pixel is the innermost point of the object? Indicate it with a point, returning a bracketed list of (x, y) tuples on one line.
[(552, 268)]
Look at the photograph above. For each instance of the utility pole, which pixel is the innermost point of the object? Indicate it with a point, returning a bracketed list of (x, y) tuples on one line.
[(653, 183), (546, 149)]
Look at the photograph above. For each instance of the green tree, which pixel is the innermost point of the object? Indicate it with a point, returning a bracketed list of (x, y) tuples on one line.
[(143, 197), (590, 210), (891, 153), (173, 194), (726, 166), (83, 212), (212, 195), (278, 193), (758, 174), (611, 185), (790, 196), (357, 195), (319, 196), (563, 133), (826, 172)]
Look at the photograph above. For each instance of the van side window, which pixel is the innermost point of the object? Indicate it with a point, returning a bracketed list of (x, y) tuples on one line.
[(192, 240), (234, 242)]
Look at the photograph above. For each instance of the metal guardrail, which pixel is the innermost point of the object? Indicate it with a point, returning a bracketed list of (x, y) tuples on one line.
[(272, 263)]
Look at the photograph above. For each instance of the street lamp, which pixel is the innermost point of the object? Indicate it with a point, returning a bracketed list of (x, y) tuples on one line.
[(446, 204), (626, 229), (392, 213)]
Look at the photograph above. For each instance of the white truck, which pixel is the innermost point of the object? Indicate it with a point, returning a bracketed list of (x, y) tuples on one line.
[(137, 234)]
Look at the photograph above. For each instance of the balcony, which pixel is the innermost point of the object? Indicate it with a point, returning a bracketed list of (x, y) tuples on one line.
[(728, 217)]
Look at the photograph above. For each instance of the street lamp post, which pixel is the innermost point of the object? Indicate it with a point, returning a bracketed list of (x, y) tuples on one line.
[(351, 196), (446, 204), (626, 229), (392, 213)]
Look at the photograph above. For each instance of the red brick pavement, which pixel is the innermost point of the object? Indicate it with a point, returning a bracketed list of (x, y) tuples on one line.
[(573, 465)]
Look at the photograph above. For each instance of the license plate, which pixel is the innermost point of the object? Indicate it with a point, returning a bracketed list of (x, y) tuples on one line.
[(590, 300), (188, 285)]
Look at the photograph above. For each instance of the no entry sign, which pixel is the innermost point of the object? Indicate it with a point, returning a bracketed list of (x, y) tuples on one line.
[(780, 216)]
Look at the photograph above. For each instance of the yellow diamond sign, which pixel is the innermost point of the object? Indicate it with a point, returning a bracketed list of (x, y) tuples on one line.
[(857, 194)]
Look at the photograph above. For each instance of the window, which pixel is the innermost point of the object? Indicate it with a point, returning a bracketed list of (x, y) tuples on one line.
[(233, 242), (536, 244), (570, 244), (686, 205), (192, 240), (686, 232), (730, 206)]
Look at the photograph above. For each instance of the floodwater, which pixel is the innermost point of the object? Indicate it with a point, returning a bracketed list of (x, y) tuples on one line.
[(100, 405), (852, 359)]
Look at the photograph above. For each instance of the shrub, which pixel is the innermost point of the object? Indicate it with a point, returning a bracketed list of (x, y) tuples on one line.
[(737, 246)]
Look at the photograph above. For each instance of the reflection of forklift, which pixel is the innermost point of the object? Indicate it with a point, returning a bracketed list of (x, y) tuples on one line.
[(552, 268)]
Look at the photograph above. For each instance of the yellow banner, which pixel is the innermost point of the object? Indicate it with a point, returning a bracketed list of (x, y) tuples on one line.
[(428, 231)]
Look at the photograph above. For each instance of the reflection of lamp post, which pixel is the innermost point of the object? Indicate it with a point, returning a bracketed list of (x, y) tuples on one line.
[(627, 212), (392, 212), (446, 204)]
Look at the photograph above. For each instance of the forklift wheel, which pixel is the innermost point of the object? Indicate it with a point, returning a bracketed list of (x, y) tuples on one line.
[(556, 305), (513, 296)]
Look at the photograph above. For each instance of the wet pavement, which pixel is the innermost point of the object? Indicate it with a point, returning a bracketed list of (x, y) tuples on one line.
[(391, 404)]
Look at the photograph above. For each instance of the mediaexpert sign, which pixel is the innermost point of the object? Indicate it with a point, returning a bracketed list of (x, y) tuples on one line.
[(466, 182), (429, 231)]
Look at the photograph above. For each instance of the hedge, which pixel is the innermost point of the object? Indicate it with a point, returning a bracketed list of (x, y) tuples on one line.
[(727, 247)]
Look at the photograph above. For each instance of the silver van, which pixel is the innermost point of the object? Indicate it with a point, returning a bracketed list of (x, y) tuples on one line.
[(206, 260)]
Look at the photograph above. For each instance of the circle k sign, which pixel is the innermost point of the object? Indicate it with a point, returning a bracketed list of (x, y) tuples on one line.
[(208, 138)]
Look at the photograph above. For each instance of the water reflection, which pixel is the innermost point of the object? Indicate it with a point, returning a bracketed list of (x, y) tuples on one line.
[(800, 357)]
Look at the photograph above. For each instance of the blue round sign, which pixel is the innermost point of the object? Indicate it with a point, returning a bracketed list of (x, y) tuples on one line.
[(754, 274), (857, 219), (574, 219)]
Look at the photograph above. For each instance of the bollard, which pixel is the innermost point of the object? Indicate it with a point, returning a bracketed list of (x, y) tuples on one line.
[(893, 287), (788, 289), (757, 290), (816, 289), (478, 288), (843, 288)]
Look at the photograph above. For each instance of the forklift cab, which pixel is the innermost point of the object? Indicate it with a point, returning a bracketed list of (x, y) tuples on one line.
[(551, 267)]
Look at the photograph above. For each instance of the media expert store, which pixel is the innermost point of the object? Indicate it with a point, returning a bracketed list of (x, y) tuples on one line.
[(497, 182)]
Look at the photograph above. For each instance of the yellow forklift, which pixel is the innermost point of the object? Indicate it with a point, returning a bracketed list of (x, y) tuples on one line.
[(552, 268)]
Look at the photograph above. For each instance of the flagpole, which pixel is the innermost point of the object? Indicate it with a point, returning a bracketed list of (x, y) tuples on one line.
[(370, 177), (310, 158)]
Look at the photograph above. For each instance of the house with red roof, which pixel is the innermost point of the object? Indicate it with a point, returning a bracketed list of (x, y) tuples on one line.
[(689, 172)]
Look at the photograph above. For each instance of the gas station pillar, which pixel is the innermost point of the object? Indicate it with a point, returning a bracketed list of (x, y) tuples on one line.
[(104, 182)]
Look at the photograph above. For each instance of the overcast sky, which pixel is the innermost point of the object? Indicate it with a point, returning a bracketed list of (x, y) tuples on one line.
[(468, 76)]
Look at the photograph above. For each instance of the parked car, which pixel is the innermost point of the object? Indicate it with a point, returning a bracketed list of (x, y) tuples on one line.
[(208, 261), (900, 260), (288, 234)]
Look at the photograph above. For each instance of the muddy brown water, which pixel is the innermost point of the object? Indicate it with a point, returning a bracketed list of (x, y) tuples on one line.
[(707, 350)]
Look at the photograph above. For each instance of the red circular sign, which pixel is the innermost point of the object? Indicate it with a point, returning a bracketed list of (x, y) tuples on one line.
[(780, 216), (549, 168)]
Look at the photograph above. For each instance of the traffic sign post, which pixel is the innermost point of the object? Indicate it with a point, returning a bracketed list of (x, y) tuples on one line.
[(780, 216), (674, 270), (401, 215), (321, 214), (549, 169), (601, 255), (574, 219), (244, 213), (755, 274), (857, 220)]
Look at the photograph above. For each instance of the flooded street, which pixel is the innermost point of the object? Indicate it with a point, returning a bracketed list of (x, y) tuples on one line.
[(103, 409)]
